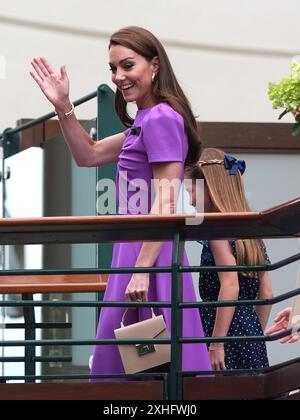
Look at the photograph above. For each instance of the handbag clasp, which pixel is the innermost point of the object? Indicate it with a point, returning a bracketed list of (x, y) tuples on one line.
[(143, 349)]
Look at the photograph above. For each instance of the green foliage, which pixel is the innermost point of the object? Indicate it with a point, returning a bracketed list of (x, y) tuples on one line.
[(286, 93)]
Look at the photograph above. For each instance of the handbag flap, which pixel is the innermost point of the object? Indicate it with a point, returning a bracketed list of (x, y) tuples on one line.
[(149, 328)]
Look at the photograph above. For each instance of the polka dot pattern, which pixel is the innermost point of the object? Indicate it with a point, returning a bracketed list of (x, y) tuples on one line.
[(238, 355)]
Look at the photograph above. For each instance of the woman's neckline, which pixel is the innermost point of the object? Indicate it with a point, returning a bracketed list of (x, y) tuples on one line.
[(143, 110)]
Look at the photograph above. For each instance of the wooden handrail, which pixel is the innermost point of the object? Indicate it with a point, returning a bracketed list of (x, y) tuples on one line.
[(274, 383), (280, 221), (54, 283)]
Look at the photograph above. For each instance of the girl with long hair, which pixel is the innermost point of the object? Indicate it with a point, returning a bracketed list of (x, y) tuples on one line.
[(224, 193)]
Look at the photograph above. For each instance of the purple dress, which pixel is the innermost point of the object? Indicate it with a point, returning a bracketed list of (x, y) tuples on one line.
[(158, 136)]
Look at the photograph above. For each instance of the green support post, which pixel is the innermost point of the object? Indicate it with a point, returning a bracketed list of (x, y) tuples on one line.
[(108, 123), (11, 143), (175, 386), (29, 326)]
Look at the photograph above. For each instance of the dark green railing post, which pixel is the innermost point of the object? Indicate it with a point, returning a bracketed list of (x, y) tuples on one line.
[(11, 143), (175, 392), (108, 123), (29, 328)]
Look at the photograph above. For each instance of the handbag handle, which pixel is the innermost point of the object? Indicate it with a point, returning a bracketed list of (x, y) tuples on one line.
[(125, 313)]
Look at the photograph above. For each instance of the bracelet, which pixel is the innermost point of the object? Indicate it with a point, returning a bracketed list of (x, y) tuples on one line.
[(219, 346), (67, 114), (70, 113)]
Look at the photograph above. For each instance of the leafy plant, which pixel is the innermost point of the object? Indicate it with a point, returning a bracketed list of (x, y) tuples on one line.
[(286, 94)]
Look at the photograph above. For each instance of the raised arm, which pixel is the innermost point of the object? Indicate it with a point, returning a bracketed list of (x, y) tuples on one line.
[(85, 151)]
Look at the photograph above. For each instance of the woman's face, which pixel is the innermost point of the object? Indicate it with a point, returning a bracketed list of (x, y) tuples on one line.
[(132, 74)]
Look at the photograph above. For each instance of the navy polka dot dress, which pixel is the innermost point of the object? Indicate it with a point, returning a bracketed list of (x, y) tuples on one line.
[(238, 355)]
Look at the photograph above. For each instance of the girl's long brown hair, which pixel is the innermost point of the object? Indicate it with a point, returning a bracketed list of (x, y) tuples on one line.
[(165, 87), (228, 195)]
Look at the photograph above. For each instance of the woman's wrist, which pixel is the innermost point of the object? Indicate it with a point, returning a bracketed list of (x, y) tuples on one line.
[(64, 108), (216, 346)]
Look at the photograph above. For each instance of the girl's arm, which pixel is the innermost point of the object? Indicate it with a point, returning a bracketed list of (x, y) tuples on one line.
[(229, 290), (164, 204), (265, 292)]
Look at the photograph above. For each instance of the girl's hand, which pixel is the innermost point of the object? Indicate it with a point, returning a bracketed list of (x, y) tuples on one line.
[(55, 86), (217, 356), (137, 288)]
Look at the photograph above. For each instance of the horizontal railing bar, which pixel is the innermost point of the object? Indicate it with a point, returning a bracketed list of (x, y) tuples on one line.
[(183, 269), (52, 359), (231, 372), (46, 117), (126, 304), (85, 303), (234, 372), (35, 325), (83, 376), (262, 370), (50, 325), (83, 342), (10, 359), (228, 339), (226, 303), (246, 268), (124, 270)]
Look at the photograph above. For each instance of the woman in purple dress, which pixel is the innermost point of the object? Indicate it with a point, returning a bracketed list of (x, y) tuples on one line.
[(158, 143)]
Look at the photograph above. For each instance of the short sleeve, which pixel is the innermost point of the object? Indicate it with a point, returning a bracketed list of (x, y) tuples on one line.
[(127, 131), (164, 136)]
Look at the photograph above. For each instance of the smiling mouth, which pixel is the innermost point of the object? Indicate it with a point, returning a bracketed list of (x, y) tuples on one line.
[(126, 87)]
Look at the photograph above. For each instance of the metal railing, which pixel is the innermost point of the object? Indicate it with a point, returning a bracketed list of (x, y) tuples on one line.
[(12, 131), (274, 223), (172, 226)]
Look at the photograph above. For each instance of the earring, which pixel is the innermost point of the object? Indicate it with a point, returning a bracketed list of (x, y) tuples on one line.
[(153, 77)]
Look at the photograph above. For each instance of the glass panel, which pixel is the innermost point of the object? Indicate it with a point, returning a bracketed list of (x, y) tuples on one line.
[(46, 182), (68, 191), (23, 198)]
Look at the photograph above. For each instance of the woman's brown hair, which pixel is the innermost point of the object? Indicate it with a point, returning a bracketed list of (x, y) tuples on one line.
[(165, 85), (228, 195)]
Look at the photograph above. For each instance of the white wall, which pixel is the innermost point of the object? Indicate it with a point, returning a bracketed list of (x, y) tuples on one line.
[(224, 54)]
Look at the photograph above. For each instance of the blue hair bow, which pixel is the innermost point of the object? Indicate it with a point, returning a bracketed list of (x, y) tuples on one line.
[(135, 131), (231, 163)]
